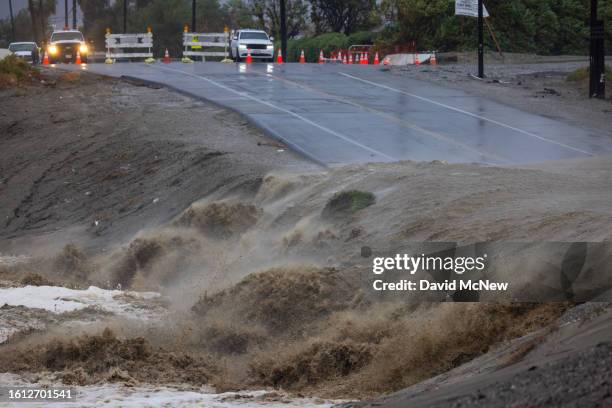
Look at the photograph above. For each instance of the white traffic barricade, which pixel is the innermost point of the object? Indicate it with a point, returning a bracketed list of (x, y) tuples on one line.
[(119, 46), (205, 45)]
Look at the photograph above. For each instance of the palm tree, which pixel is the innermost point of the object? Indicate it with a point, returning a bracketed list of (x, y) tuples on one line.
[(33, 18)]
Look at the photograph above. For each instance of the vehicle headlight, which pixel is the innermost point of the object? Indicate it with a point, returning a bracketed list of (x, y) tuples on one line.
[(52, 49), (241, 45), (271, 46), (83, 49)]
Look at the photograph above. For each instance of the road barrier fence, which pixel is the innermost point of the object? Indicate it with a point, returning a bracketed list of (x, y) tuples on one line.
[(129, 46), (203, 45)]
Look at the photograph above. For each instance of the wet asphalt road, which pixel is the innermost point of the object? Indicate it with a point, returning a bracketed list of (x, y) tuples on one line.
[(339, 114)]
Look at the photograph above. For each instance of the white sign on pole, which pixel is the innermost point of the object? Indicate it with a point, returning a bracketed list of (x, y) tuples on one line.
[(469, 8)]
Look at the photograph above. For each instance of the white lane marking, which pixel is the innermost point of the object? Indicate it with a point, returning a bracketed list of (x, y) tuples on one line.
[(296, 115), (402, 122), (422, 98)]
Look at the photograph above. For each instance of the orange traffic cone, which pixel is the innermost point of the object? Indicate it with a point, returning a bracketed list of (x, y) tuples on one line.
[(167, 57), (249, 59), (433, 60), (376, 60), (350, 59), (345, 61), (78, 58), (279, 58), (417, 61), (302, 58), (367, 59), (321, 58), (386, 61), (340, 55), (46, 59)]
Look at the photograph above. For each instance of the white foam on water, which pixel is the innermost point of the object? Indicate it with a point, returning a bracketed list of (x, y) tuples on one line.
[(58, 299), (116, 395)]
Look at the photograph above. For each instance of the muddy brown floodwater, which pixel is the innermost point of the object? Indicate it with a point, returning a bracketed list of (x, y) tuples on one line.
[(253, 251)]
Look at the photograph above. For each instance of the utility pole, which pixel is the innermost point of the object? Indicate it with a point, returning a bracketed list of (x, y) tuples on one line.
[(193, 16), (66, 14), (480, 39), (283, 28), (597, 77), (12, 19), (74, 10), (125, 8)]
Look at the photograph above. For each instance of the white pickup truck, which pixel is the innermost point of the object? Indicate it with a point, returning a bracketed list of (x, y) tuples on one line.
[(257, 41), (64, 45)]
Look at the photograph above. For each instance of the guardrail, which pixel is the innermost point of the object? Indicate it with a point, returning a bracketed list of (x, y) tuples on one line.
[(201, 45), (129, 46)]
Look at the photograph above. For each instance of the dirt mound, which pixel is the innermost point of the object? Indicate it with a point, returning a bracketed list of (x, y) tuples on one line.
[(105, 358), (282, 299), (316, 363), (220, 219)]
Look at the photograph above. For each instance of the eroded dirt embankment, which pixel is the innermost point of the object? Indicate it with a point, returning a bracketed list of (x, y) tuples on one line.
[(263, 277), (92, 158)]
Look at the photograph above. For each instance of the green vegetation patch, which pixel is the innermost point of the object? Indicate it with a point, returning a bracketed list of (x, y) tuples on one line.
[(15, 66), (582, 74), (348, 202), (14, 70)]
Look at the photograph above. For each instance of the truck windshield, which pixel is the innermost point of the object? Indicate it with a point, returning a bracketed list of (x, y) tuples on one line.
[(21, 47), (253, 36), (67, 36)]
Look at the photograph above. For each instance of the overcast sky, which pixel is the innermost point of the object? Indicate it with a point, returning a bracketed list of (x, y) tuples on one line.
[(17, 5), (58, 19)]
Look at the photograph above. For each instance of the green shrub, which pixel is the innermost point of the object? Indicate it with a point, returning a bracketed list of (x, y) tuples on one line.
[(330, 42), (15, 66), (582, 74), (348, 202), (578, 75), (312, 46), (362, 38)]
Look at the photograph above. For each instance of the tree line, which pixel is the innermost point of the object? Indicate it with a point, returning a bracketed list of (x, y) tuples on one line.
[(536, 26)]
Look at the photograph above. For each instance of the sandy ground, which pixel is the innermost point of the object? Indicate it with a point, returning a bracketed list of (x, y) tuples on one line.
[(531, 83), (260, 278)]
